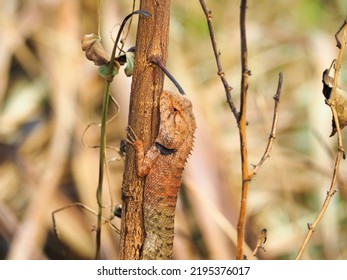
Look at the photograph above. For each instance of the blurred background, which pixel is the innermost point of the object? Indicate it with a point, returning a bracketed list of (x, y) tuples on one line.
[(50, 93)]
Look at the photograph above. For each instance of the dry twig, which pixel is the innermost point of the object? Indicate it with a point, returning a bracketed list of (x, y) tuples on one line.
[(272, 135), (221, 74), (261, 241), (88, 209), (242, 132), (246, 175), (340, 151)]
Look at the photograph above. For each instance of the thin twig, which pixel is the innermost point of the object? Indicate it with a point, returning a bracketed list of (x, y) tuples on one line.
[(81, 205), (221, 74), (99, 125), (102, 155), (338, 43), (242, 132), (99, 18), (340, 151), (122, 41), (261, 241), (272, 136)]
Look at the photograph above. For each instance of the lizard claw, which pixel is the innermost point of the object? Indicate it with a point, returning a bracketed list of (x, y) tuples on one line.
[(131, 136)]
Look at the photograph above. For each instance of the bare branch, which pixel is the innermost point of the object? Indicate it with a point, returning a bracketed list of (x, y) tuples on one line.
[(338, 42), (261, 241), (221, 74), (340, 151), (242, 122), (272, 136)]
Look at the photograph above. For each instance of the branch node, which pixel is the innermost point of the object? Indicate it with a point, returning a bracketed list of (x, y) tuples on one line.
[(249, 178), (342, 150), (221, 73), (209, 15), (276, 98), (261, 240), (331, 194), (309, 226)]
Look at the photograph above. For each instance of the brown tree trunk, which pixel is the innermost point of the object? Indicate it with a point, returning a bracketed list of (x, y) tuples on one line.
[(147, 84)]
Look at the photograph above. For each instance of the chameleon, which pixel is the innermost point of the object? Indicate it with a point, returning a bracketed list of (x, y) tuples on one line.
[(162, 166)]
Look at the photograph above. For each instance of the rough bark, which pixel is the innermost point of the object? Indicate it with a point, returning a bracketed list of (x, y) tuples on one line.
[(147, 85)]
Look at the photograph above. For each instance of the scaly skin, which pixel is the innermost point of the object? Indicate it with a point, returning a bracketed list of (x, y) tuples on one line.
[(163, 165)]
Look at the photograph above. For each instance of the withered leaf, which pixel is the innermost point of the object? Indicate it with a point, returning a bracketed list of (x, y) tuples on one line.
[(91, 44)]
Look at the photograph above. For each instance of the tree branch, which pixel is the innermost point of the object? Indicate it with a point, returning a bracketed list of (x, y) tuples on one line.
[(221, 74), (241, 117), (261, 241), (147, 85), (242, 132), (272, 136), (340, 151)]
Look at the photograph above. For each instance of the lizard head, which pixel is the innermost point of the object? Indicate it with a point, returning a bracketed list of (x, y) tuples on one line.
[(177, 121)]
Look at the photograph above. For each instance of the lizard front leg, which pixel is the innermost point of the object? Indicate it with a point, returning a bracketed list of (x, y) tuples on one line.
[(143, 162)]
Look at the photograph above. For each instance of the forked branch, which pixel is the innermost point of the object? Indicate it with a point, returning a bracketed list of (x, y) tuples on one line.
[(242, 122)]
